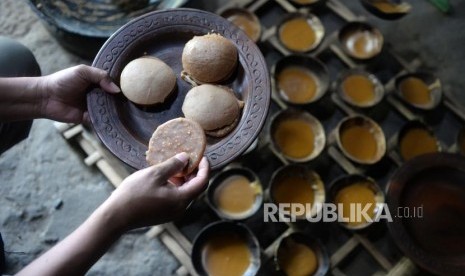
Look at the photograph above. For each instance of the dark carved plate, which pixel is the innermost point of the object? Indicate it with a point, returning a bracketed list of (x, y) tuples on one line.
[(126, 128), (436, 241)]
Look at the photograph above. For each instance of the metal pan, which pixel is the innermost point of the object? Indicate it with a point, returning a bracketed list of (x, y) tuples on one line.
[(392, 10), (83, 26), (435, 241), (225, 228)]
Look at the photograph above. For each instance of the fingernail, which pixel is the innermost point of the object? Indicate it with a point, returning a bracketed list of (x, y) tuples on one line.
[(183, 157), (114, 88)]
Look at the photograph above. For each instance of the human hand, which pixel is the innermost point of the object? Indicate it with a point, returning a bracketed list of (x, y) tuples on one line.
[(153, 195), (64, 92)]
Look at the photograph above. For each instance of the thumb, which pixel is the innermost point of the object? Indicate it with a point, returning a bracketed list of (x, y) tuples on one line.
[(172, 166), (195, 186), (97, 76)]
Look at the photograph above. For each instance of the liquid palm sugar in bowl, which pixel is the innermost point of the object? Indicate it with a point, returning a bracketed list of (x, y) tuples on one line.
[(298, 35), (362, 43), (417, 141), (294, 189), (415, 91), (358, 89), (297, 259), (245, 22), (297, 84), (356, 193), (295, 138), (359, 141), (226, 254), (389, 7), (236, 195)]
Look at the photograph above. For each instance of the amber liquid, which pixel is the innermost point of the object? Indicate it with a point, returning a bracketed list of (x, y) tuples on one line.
[(415, 91), (363, 44), (236, 195), (297, 35), (245, 24), (359, 142), (226, 255), (294, 189), (356, 193), (417, 141), (359, 89), (295, 138), (386, 7), (297, 85), (297, 259)]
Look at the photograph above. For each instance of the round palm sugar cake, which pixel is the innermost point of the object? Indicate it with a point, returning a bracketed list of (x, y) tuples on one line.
[(176, 136), (209, 58), (147, 80), (214, 107)]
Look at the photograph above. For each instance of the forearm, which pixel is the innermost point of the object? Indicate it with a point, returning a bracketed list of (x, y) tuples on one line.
[(81, 249), (20, 99)]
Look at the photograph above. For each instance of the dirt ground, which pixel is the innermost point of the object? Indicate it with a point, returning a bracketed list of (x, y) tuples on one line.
[(46, 190)]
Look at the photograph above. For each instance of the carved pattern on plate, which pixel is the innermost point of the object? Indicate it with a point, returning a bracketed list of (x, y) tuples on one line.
[(257, 103)]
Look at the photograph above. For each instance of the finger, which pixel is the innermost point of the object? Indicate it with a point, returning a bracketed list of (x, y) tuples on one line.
[(194, 187), (86, 119), (172, 166), (97, 76), (176, 181), (190, 177), (91, 74), (109, 86)]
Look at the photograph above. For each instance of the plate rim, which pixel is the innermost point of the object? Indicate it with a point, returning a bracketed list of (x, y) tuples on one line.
[(255, 114), (394, 189)]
